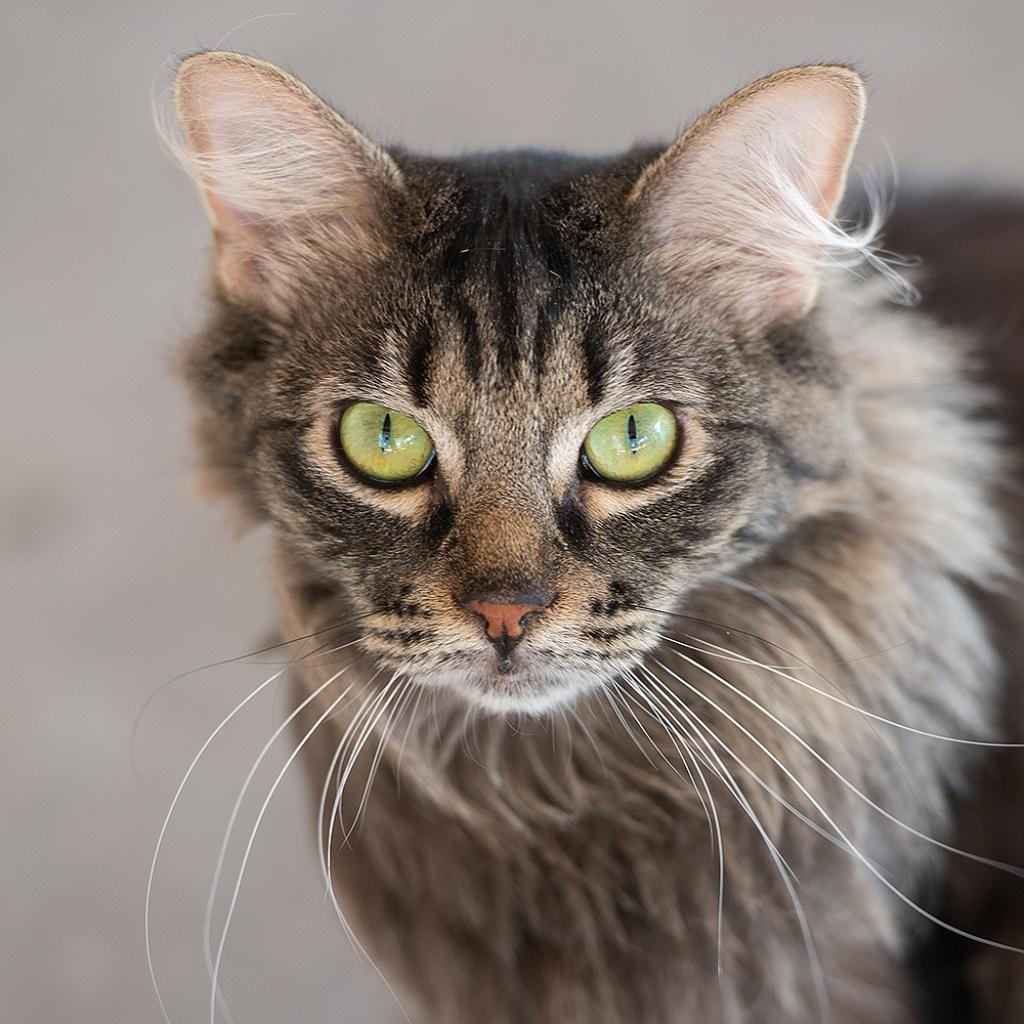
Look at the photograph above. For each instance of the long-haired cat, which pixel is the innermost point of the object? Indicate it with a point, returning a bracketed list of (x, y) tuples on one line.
[(644, 544)]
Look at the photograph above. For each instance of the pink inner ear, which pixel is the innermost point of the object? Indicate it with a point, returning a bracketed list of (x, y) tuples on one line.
[(823, 134), (271, 160), (743, 200), (269, 149), (239, 240)]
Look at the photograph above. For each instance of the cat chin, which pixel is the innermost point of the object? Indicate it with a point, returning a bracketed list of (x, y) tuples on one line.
[(529, 690)]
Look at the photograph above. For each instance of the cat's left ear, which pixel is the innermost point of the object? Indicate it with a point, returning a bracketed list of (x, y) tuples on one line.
[(277, 167), (740, 206)]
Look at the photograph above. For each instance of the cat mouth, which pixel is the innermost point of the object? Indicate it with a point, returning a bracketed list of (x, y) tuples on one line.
[(505, 659), (503, 665), (525, 681)]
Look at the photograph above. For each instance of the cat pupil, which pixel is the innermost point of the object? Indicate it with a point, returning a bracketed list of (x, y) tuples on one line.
[(385, 433), (631, 434)]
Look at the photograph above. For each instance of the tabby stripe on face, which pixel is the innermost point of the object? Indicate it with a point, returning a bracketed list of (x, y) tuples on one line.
[(712, 488), (573, 524), (438, 525), (547, 317), (470, 336), (418, 366), (553, 250), (597, 358), (503, 273), (542, 335), (549, 310), (336, 514), (682, 523), (505, 257)]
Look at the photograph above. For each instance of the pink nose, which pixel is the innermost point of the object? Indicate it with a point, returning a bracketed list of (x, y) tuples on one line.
[(503, 620)]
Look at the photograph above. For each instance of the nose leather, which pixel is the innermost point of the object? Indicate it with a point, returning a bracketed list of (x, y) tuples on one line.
[(503, 620)]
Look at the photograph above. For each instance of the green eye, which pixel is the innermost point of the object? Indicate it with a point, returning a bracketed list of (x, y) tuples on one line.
[(383, 444), (632, 444)]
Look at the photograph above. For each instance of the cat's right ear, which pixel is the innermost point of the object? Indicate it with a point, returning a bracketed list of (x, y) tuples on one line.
[(277, 168)]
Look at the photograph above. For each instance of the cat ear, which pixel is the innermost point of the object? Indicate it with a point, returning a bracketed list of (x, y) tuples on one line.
[(743, 201), (275, 165)]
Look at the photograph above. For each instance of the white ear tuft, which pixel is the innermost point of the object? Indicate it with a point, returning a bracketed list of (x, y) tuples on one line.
[(271, 160), (745, 198)]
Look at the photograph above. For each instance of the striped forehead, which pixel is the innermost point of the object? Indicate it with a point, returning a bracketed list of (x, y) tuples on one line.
[(511, 306)]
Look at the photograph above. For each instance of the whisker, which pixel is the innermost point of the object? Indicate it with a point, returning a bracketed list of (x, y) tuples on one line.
[(778, 671), (133, 739), (326, 845), (783, 868), (355, 723), (710, 808), (684, 753), (795, 617), (817, 634), (166, 823), (770, 601), (610, 694), (388, 693), (646, 734), (236, 809), (850, 846), (413, 717), (578, 718), (674, 699), (401, 699), (999, 865), (255, 829)]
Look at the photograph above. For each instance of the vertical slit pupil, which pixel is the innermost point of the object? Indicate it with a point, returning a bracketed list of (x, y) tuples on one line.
[(631, 433), (385, 433)]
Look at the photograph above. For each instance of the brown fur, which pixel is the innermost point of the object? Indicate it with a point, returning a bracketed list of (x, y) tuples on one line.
[(537, 847)]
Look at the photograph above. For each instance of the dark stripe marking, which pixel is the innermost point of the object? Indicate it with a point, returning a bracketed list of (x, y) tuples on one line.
[(418, 368), (597, 359)]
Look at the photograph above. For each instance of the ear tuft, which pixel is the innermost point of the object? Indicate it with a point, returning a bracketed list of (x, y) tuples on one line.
[(271, 159), (745, 198)]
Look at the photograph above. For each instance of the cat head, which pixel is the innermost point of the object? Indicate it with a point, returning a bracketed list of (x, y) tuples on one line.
[(509, 408)]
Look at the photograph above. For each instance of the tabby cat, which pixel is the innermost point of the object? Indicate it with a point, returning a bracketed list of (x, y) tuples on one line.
[(644, 545)]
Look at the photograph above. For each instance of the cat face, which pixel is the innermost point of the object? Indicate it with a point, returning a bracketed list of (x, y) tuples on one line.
[(498, 310)]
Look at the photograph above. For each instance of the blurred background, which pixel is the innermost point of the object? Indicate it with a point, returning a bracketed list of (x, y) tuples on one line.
[(113, 579)]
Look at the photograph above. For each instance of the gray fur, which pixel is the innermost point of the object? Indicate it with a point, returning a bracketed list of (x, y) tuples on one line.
[(536, 848)]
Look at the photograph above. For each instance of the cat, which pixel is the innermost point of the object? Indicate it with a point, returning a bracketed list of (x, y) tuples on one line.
[(645, 547)]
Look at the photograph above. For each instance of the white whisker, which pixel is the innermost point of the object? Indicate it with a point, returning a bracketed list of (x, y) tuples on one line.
[(335, 765), (378, 709), (692, 757), (166, 822), (413, 718), (236, 809), (674, 700), (589, 735), (393, 716), (255, 829), (860, 794), (610, 694), (850, 846), (326, 844), (785, 872), (729, 655), (684, 752)]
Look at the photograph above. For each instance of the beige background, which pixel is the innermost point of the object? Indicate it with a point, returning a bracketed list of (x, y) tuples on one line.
[(111, 581)]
